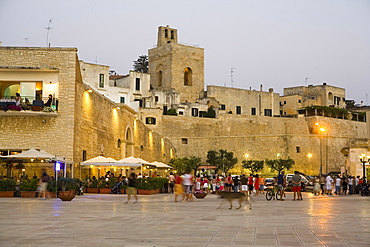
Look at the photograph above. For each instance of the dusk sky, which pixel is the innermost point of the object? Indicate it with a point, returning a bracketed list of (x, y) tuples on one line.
[(276, 43)]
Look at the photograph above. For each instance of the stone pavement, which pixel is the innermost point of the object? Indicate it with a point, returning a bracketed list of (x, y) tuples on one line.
[(103, 220)]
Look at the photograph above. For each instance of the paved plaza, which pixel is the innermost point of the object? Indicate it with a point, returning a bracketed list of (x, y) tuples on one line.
[(104, 220)]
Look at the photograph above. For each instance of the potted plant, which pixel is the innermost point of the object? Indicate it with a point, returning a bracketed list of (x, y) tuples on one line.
[(67, 188), (200, 194), (7, 187), (104, 187), (28, 188), (94, 186), (52, 188)]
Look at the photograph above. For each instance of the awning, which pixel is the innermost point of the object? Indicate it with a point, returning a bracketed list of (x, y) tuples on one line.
[(100, 161), (161, 165)]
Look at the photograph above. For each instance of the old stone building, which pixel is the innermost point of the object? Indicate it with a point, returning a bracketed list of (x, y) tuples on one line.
[(295, 98), (86, 123)]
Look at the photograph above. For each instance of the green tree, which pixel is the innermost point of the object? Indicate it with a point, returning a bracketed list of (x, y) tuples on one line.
[(141, 64), (253, 165), (280, 164), (185, 164), (222, 159)]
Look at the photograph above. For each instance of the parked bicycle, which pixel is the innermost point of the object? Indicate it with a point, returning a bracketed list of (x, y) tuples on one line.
[(272, 193)]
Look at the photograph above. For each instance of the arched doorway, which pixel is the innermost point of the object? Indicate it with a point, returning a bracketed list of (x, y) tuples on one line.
[(129, 140)]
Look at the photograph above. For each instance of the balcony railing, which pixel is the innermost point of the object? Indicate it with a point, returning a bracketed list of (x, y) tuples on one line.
[(8, 107)]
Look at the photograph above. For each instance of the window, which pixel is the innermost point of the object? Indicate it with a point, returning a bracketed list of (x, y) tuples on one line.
[(184, 140), (253, 111), (299, 101), (84, 153), (268, 112), (166, 33), (298, 149), (165, 109), (122, 100), (137, 84), (150, 120), (119, 143), (284, 102), (101, 80), (156, 98), (188, 74), (172, 34), (181, 113), (159, 78), (194, 112), (223, 107), (238, 109)]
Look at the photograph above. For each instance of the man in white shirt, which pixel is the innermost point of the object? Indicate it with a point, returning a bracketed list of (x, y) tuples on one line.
[(329, 182)]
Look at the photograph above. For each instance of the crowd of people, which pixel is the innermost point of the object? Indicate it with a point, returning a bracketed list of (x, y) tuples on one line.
[(186, 185), (342, 185)]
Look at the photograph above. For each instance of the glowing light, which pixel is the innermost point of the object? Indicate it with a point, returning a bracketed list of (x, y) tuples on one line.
[(309, 155), (322, 129), (89, 91), (247, 156)]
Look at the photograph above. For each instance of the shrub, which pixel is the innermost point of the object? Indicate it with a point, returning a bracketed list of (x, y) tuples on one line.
[(29, 185), (7, 184)]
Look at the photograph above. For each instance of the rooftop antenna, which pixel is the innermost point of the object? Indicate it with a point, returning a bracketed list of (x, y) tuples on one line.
[(47, 34), (307, 79), (26, 40), (232, 77)]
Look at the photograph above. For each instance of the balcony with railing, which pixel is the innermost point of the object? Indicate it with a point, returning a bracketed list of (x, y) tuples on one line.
[(23, 107)]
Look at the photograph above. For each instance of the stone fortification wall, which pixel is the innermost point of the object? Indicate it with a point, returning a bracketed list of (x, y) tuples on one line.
[(247, 99), (263, 138)]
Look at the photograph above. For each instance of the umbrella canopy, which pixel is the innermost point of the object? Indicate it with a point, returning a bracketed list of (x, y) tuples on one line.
[(99, 161), (31, 154), (132, 162), (161, 165)]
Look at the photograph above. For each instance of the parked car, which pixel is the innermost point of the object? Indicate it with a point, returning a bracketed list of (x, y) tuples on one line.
[(269, 182)]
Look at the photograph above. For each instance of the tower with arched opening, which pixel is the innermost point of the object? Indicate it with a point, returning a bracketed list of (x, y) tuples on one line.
[(176, 66)]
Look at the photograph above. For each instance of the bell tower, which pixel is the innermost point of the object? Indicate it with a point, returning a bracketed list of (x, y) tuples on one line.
[(176, 66)]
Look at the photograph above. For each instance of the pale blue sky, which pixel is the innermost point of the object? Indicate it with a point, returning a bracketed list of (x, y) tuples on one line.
[(277, 43)]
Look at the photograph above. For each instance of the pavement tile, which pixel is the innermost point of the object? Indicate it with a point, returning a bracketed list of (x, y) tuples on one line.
[(103, 220)]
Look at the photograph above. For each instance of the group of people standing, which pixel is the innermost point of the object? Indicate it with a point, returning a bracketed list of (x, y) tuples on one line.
[(342, 185)]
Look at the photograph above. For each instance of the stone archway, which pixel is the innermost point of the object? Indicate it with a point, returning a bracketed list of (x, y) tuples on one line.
[(129, 143)]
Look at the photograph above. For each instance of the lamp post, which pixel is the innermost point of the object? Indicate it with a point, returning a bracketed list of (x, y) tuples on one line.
[(364, 161), (322, 131)]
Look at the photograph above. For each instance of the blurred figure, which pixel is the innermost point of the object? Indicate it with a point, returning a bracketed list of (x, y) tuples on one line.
[(50, 100), (44, 186), (171, 179), (131, 190), (178, 188)]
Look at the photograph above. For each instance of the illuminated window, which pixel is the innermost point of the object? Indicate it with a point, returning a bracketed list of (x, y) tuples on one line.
[(101, 80), (150, 120)]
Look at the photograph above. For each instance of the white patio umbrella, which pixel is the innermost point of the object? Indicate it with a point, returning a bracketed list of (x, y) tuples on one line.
[(31, 154), (100, 161), (161, 165)]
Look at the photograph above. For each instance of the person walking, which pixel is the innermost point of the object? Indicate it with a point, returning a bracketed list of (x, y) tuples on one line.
[(171, 180), (236, 183), (296, 186), (188, 183), (350, 185), (244, 184), (281, 182), (257, 184), (250, 184), (131, 190), (344, 184), (337, 185), (328, 184), (179, 190), (316, 188), (45, 179)]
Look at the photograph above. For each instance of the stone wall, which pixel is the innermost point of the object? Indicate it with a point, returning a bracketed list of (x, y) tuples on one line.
[(247, 99), (263, 138), (85, 121)]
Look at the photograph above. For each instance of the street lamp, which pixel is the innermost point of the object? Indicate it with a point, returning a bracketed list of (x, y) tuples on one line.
[(322, 131), (364, 161)]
